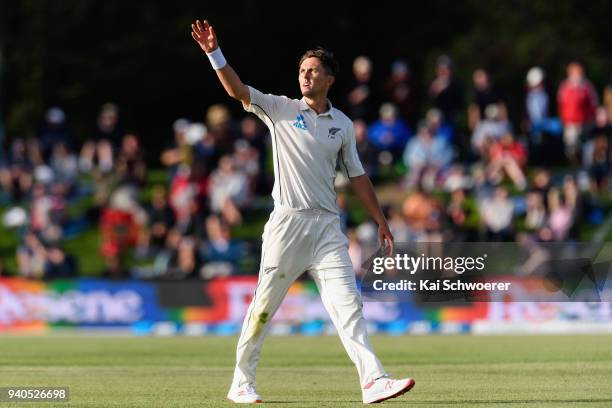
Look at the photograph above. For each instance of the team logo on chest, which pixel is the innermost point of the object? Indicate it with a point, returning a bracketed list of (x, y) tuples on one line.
[(332, 132), (300, 122)]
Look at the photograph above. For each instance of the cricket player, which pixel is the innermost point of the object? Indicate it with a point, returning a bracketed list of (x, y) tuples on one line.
[(309, 137)]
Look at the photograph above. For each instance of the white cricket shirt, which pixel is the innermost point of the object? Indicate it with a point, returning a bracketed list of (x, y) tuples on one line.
[(306, 147)]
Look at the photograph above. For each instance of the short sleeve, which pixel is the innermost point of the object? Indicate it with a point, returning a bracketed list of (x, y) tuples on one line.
[(349, 158), (266, 106)]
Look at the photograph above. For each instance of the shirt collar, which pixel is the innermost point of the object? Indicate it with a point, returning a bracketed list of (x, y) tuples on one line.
[(304, 106)]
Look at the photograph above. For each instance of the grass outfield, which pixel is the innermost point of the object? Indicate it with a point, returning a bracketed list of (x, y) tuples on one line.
[(466, 371)]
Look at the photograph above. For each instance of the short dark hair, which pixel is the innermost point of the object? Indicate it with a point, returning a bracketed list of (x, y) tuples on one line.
[(326, 57)]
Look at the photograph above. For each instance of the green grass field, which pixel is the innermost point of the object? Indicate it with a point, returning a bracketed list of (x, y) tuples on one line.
[(465, 371)]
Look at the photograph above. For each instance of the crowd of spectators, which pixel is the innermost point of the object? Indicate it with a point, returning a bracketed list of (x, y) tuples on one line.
[(492, 179), (466, 171), (178, 229)]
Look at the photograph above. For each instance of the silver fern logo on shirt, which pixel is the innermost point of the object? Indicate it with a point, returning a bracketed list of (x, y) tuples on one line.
[(332, 132)]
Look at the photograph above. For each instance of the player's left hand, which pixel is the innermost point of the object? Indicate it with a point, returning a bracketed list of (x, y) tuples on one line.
[(386, 238)]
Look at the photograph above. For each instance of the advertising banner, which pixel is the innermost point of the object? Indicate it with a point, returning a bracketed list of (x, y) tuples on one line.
[(219, 306)]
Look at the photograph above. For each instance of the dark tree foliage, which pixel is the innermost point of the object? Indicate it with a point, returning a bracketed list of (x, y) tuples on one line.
[(79, 54)]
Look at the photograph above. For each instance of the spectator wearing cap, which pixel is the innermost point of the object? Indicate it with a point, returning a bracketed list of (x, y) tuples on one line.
[(536, 100), (179, 152), (577, 101), (54, 132), (204, 147), (122, 223), (189, 160), (389, 134), (445, 91), (544, 130)]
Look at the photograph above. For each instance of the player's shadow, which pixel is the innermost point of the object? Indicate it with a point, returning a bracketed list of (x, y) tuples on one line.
[(407, 401), (309, 402), (509, 401)]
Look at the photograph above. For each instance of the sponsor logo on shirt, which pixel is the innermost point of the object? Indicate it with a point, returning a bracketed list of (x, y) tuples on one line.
[(300, 122)]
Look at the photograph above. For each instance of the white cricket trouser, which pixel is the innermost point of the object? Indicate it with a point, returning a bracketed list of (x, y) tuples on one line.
[(295, 241)]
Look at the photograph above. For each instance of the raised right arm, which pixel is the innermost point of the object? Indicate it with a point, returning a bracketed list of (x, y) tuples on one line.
[(204, 35)]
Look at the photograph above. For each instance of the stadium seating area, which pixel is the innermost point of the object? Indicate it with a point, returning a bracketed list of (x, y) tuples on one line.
[(454, 165)]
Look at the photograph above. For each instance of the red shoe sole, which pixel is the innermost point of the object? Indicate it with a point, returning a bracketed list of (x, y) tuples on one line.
[(401, 392)]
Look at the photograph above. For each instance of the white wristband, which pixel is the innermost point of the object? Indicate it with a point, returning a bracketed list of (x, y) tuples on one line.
[(217, 60)]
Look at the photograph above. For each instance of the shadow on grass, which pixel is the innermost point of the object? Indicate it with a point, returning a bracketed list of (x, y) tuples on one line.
[(407, 401), (513, 401), (309, 402)]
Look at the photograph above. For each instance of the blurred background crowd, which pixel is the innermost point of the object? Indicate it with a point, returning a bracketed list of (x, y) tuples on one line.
[(121, 155), (449, 167)]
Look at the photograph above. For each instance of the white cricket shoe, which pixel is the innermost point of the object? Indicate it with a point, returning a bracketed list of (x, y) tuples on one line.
[(384, 388), (244, 395)]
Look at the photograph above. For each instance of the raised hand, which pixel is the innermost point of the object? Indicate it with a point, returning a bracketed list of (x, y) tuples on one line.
[(205, 36)]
